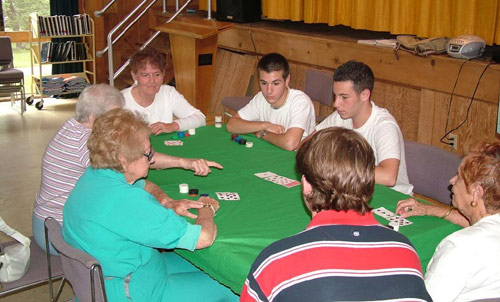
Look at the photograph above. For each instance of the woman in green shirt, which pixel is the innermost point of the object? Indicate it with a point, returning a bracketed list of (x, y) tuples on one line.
[(114, 215)]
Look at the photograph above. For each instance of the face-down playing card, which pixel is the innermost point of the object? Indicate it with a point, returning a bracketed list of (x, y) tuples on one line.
[(174, 143), (278, 179)]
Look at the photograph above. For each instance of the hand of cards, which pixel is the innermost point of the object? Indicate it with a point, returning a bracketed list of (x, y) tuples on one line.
[(394, 220)]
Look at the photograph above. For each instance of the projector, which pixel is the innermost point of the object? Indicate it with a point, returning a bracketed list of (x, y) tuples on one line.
[(465, 47)]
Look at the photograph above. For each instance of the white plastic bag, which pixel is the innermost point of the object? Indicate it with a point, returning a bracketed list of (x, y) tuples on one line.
[(15, 259)]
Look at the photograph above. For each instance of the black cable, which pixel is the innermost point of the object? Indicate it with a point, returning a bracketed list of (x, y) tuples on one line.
[(449, 105), (471, 100)]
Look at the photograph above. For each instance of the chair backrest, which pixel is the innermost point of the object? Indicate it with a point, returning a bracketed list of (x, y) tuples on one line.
[(81, 270), (235, 102), (5, 51), (319, 87), (430, 169)]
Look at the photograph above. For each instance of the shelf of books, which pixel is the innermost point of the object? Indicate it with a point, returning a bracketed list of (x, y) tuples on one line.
[(80, 48)]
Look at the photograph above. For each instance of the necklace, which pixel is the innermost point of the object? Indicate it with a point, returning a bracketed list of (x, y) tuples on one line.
[(286, 99)]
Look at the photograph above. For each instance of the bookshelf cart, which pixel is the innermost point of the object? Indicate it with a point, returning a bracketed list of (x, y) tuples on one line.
[(38, 35)]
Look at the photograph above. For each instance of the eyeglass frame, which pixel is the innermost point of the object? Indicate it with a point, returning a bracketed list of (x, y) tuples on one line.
[(150, 155)]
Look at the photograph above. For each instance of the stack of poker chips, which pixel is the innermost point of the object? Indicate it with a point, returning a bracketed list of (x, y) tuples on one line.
[(218, 121), (183, 134), (240, 140)]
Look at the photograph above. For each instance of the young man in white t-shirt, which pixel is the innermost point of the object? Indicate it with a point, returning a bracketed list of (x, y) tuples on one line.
[(277, 114), (352, 86)]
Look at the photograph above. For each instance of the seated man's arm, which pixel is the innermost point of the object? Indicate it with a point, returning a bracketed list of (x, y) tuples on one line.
[(200, 166), (386, 173), (238, 125), (289, 140)]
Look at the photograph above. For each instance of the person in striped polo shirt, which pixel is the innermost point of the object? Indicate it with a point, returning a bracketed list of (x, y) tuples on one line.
[(344, 254)]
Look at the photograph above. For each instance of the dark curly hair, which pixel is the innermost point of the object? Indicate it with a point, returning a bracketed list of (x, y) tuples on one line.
[(358, 73)]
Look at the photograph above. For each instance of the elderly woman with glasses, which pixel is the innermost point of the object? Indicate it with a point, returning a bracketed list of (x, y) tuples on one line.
[(114, 215), (466, 264)]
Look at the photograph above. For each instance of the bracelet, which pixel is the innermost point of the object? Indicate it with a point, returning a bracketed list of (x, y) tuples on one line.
[(447, 213), (206, 205)]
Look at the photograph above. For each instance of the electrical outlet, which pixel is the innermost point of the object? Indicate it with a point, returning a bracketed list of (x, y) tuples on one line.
[(453, 139)]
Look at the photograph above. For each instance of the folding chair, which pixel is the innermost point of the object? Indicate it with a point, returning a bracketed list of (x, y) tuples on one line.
[(319, 87), (430, 169), (234, 103), (37, 272), (83, 271), (11, 79)]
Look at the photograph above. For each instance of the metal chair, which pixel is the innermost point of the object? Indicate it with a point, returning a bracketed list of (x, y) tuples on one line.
[(37, 272), (319, 87), (83, 271), (430, 169), (11, 79)]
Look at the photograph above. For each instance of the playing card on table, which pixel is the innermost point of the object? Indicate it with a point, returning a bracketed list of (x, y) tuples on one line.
[(278, 179), (227, 196), (174, 143), (394, 220), (265, 174)]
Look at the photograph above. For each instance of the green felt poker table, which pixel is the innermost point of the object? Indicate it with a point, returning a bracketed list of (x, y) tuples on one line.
[(266, 212)]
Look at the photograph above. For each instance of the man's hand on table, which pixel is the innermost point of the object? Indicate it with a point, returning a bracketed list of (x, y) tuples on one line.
[(159, 127)]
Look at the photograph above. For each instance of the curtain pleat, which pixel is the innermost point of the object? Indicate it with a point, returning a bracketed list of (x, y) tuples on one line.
[(424, 18)]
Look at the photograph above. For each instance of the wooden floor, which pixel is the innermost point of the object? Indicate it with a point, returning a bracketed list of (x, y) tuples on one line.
[(22, 142)]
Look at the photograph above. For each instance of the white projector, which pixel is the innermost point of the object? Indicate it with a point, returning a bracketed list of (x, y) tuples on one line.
[(465, 47)]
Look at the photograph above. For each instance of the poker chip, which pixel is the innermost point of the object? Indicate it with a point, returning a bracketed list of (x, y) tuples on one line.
[(218, 125), (238, 138), (184, 188), (193, 192), (181, 134), (249, 144), (192, 131), (233, 136), (242, 141), (218, 119), (204, 195)]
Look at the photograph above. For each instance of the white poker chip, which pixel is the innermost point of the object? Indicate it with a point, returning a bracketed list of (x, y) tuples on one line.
[(218, 119), (183, 188), (249, 144), (192, 131), (218, 125)]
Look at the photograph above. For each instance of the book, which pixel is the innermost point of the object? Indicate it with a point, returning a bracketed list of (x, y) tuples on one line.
[(44, 53)]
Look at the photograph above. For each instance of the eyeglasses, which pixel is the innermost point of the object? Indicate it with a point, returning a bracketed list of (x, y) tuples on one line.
[(150, 155)]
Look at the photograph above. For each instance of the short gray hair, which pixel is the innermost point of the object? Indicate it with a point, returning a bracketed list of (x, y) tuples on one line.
[(96, 100)]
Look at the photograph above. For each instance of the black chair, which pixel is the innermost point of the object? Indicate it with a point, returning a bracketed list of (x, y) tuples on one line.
[(11, 79), (37, 272), (430, 169), (83, 271)]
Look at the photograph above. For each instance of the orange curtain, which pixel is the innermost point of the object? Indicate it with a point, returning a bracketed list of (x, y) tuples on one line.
[(424, 18)]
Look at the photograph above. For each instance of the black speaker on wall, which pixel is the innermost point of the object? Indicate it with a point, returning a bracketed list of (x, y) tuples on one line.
[(240, 11)]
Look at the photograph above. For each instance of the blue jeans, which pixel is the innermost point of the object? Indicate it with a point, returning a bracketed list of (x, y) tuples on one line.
[(39, 234)]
